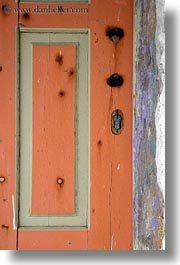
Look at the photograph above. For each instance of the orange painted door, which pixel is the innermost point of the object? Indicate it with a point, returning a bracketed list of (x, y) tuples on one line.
[(66, 125)]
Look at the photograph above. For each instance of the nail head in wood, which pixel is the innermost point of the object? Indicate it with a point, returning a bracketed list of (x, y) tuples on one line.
[(2, 179), (60, 181)]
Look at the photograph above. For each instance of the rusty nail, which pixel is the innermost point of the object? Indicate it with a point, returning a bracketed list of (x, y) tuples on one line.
[(99, 142), (71, 72), (0, 68), (5, 226), (59, 59), (26, 15), (60, 181), (62, 93), (2, 179)]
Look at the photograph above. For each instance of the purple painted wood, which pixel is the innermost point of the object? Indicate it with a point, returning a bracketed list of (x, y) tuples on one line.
[(148, 196)]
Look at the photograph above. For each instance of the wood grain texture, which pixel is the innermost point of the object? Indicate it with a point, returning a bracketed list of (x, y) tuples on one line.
[(149, 85), (8, 24), (52, 240), (53, 127)]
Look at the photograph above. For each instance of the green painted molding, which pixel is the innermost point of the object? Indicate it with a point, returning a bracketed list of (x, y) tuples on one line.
[(80, 219)]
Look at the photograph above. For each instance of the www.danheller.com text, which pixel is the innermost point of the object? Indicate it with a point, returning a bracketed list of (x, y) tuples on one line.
[(48, 9)]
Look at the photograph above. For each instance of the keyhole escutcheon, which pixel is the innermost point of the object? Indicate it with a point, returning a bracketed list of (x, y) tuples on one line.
[(117, 122)]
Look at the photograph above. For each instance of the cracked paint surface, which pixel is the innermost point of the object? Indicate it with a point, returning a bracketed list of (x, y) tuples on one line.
[(149, 126)]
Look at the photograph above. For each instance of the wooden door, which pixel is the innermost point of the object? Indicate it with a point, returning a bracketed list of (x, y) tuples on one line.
[(66, 96)]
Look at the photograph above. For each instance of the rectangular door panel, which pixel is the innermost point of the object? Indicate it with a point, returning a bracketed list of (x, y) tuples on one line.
[(54, 129)]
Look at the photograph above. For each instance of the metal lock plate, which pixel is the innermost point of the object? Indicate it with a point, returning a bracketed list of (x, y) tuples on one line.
[(117, 121)]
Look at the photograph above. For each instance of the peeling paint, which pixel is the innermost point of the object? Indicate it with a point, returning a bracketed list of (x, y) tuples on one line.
[(156, 203), (112, 242), (160, 113), (149, 126), (13, 209), (118, 167)]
